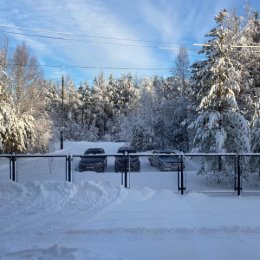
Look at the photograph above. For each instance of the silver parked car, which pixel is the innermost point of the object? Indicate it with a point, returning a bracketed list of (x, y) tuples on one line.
[(165, 160)]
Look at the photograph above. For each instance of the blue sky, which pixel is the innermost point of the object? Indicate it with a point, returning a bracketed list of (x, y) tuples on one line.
[(164, 24)]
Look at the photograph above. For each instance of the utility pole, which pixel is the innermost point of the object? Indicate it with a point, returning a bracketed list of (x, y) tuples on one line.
[(62, 112)]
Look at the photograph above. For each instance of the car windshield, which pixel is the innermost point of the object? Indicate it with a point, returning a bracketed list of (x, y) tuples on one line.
[(95, 151), (126, 150)]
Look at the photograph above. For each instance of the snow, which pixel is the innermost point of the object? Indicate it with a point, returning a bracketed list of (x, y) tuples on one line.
[(95, 217)]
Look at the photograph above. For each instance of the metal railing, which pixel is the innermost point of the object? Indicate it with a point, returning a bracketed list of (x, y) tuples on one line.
[(13, 159), (238, 160)]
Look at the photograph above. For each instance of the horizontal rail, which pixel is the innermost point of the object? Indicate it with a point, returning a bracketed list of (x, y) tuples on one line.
[(127, 154), (238, 164), (32, 156)]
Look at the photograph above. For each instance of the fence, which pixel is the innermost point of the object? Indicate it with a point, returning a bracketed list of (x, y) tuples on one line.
[(239, 165), (65, 160)]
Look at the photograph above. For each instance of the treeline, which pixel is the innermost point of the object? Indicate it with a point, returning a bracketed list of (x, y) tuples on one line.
[(209, 106)]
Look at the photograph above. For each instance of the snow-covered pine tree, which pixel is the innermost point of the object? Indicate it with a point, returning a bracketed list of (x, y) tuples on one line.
[(219, 127)]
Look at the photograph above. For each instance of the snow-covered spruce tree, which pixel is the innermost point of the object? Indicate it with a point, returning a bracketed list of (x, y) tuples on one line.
[(255, 139), (51, 95), (219, 126), (146, 129), (159, 115), (245, 31), (73, 112), (87, 129), (125, 98), (99, 99), (176, 107)]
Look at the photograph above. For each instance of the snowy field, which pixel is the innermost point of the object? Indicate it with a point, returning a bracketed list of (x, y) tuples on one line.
[(95, 218)]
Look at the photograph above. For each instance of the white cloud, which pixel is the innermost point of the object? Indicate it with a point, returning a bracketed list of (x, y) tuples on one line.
[(179, 22), (81, 17)]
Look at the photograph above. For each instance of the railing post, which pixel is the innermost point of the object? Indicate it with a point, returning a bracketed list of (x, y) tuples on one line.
[(69, 168), (13, 167), (66, 168), (235, 173), (122, 178), (10, 168), (178, 178), (182, 177), (126, 167), (238, 178), (125, 171)]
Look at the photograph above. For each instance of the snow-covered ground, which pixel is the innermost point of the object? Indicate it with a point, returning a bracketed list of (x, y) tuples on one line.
[(94, 217)]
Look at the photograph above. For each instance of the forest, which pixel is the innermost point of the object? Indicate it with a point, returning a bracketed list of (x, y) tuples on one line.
[(211, 105)]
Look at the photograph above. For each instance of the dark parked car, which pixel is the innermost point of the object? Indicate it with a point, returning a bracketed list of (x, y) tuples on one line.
[(122, 162), (165, 160), (93, 160)]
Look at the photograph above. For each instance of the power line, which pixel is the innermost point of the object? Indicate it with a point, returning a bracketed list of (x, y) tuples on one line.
[(83, 35), (101, 37), (128, 45), (79, 40), (107, 38), (88, 67)]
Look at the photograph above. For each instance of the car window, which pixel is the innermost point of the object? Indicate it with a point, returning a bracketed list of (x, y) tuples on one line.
[(127, 150), (94, 151)]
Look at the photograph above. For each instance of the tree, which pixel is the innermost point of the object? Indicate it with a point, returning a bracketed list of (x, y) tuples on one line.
[(219, 127), (182, 67), (244, 32), (16, 129), (25, 85), (145, 117), (255, 138), (25, 73), (255, 141), (99, 98), (85, 95)]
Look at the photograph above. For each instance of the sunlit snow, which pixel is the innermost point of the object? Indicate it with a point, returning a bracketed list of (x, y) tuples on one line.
[(95, 217)]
